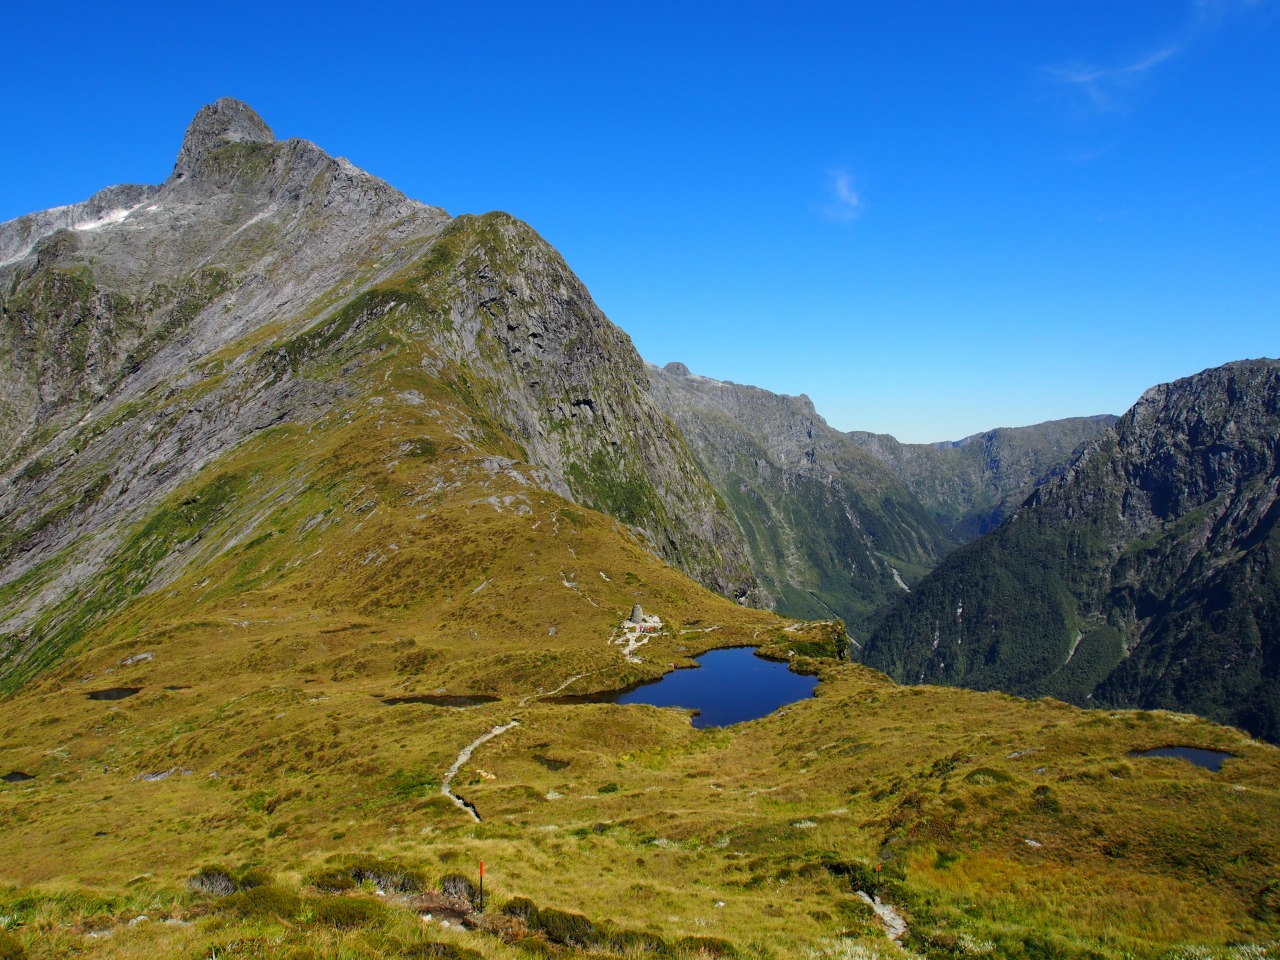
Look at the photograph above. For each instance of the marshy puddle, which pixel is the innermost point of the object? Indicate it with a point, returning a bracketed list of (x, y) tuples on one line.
[(1209, 759), (550, 763), (113, 693), (729, 686), (441, 700), (16, 776)]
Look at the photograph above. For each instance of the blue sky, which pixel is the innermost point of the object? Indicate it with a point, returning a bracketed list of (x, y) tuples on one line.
[(932, 218)]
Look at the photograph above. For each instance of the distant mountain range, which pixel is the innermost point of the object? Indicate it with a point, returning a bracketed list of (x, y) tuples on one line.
[(841, 524), (1145, 575), (151, 331)]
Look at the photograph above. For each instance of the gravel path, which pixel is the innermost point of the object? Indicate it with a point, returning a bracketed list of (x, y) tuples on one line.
[(463, 757)]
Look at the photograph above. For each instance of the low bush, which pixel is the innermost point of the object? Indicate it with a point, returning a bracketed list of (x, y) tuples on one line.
[(706, 947), (524, 908), (539, 949), (441, 951), (332, 880), (1266, 902), (568, 929), (251, 877), (386, 875), (347, 912), (263, 901), (861, 876), (10, 948), (1043, 800), (634, 943)]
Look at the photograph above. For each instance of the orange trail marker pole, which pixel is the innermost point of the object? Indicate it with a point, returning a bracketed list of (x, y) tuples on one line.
[(482, 886)]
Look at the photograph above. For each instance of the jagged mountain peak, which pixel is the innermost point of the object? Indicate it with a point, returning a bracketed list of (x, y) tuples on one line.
[(227, 120)]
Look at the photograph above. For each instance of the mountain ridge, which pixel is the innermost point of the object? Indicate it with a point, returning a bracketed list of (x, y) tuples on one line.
[(1142, 576), (140, 349)]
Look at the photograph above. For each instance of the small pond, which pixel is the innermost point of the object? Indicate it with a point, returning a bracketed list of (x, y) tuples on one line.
[(729, 686), (114, 693), (1209, 759), (16, 776)]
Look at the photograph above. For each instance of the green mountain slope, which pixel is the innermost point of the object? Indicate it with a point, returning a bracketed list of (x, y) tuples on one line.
[(1143, 576), (829, 529)]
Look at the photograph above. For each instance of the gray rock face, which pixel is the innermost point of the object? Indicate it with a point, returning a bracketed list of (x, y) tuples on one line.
[(831, 531), (151, 329), (1145, 575), (970, 485), (226, 121)]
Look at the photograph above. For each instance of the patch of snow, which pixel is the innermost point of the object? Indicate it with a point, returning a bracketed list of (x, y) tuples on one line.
[(1034, 844), (107, 218)]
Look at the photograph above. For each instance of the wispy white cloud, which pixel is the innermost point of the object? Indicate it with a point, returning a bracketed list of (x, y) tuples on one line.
[(845, 204), (1107, 88), (1100, 88)]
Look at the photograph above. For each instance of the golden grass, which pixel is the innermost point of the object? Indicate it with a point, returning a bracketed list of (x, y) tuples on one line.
[(358, 562)]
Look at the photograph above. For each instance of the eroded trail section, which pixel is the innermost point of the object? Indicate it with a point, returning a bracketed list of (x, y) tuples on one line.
[(895, 928), (463, 757)]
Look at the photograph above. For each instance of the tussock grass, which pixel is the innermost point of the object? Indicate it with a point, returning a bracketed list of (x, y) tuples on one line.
[(382, 553)]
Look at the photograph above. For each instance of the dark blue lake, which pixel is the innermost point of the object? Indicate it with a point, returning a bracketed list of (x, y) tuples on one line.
[(728, 686), (1209, 759)]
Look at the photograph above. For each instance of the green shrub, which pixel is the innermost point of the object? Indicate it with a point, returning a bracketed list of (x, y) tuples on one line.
[(862, 876), (264, 901), (251, 877), (524, 908), (1043, 801), (539, 949), (1266, 903), (386, 875), (985, 777), (347, 912), (706, 947), (637, 943), (333, 880), (568, 929), (443, 951), (10, 948)]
